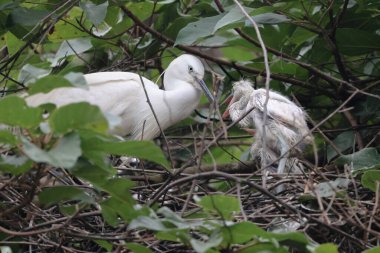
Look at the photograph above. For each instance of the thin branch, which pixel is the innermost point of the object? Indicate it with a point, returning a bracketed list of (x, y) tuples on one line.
[(267, 79), (156, 118), (264, 191), (206, 56)]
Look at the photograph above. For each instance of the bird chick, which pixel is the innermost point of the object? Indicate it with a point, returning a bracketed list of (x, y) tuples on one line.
[(286, 132)]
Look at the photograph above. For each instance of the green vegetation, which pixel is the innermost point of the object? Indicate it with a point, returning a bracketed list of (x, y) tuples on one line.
[(66, 185)]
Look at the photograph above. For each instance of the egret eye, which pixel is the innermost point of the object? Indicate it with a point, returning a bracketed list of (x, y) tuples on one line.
[(191, 70)]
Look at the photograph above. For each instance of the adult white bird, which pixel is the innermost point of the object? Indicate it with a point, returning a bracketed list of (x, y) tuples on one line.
[(122, 94), (285, 126)]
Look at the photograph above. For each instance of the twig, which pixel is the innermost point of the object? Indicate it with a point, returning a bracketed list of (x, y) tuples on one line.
[(156, 118), (267, 79), (264, 191), (195, 51)]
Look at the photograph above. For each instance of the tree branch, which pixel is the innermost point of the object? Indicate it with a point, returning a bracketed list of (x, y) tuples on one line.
[(196, 52)]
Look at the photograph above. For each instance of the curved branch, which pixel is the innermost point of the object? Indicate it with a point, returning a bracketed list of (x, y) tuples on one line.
[(234, 65)]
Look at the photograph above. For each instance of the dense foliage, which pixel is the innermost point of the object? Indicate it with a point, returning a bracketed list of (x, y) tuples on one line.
[(67, 185)]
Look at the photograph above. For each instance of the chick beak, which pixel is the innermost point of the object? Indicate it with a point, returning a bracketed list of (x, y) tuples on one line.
[(250, 131), (230, 100)]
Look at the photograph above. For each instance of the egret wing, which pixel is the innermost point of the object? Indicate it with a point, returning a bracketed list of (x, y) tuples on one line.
[(103, 78)]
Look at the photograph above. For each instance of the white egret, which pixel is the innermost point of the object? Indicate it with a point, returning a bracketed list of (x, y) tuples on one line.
[(122, 94), (285, 125)]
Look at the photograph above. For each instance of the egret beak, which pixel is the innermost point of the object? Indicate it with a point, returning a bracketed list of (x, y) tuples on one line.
[(205, 90)]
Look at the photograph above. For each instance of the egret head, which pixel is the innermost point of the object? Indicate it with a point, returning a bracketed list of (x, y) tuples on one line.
[(189, 69)]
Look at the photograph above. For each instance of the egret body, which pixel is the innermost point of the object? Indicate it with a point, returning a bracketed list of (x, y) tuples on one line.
[(122, 94), (285, 125)]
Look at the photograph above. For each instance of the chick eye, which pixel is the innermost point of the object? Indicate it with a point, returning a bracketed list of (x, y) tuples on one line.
[(191, 69)]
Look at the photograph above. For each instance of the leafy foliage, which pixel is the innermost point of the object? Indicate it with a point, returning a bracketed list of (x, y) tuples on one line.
[(60, 165)]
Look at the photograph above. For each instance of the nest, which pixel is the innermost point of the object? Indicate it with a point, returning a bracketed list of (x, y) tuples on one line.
[(350, 220)]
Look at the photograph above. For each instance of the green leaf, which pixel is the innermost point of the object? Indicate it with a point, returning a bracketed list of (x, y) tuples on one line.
[(64, 154), (15, 112), (174, 235), (352, 41), (53, 195), (290, 238), (13, 43), (196, 30), (367, 158), (30, 74), (15, 164), (109, 213), (238, 53), (76, 79), (140, 149), (71, 47), (71, 209), (50, 82), (94, 142), (370, 178), (233, 16), (268, 18), (201, 246), (27, 17), (222, 205), (104, 244), (95, 13), (63, 30), (242, 232), (119, 188), (137, 248), (326, 248), (328, 189), (342, 142), (264, 248), (373, 250), (301, 35), (6, 137), (112, 208), (148, 223), (78, 116), (142, 9), (47, 83), (96, 175)]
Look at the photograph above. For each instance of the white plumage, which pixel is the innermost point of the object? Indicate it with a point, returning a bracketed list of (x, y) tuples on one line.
[(122, 94), (285, 126)]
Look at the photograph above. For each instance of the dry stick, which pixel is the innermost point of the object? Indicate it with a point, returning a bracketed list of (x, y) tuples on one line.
[(155, 117), (234, 65), (374, 210), (354, 124), (320, 123), (227, 63), (330, 38), (189, 195), (238, 189), (326, 76), (158, 193), (156, 196), (77, 55), (373, 139), (267, 80), (195, 51), (54, 227), (215, 174)]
